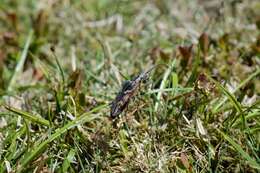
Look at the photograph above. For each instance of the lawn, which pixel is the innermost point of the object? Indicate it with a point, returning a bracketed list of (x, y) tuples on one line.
[(129, 86)]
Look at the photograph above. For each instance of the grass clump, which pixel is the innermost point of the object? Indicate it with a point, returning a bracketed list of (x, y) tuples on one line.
[(63, 63)]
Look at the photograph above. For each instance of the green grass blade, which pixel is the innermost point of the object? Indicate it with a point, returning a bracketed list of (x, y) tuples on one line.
[(251, 115), (40, 146), (11, 151), (175, 79), (194, 72), (177, 89), (253, 130), (239, 149), (20, 64), (255, 74), (68, 160), (59, 67), (232, 100), (163, 84), (26, 115)]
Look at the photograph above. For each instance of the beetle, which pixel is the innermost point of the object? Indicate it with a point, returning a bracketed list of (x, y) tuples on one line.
[(128, 90)]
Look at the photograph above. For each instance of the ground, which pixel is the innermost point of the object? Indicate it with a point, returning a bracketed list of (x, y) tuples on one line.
[(63, 62)]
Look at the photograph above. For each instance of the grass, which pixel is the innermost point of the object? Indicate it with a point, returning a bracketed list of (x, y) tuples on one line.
[(62, 64)]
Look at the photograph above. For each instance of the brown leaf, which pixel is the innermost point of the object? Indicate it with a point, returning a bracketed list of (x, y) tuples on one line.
[(75, 80), (101, 139), (204, 84), (38, 74), (186, 51), (13, 18), (40, 22), (164, 56), (186, 54), (10, 38), (257, 22), (154, 53), (185, 161), (256, 46), (2, 57), (157, 53), (204, 42)]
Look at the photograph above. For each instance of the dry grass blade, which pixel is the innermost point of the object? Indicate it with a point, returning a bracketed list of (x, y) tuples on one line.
[(54, 77)]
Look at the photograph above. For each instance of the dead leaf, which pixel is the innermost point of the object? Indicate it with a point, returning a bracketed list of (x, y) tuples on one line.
[(186, 51), (204, 84), (2, 57), (257, 22), (13, 18), (40, 22), (204, 43), (157, 53), (38, 74), (185, 162), (75, 80), (256, 46), (186, 54), (10, 38)]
